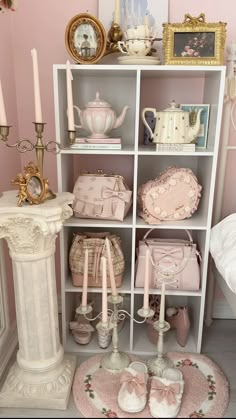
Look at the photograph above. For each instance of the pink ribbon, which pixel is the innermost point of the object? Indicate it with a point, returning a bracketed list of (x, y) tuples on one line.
[(123, 197), (136, 383), (163, 392), (110, 193)]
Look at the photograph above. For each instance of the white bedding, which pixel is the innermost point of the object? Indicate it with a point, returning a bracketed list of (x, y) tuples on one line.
[(223, 249)]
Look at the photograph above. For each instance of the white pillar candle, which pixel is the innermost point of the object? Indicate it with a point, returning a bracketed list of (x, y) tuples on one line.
[(117, 12), (70, 111), (85, 280), (111, 270), (3, 119), (162, 306), (104, 290), (146, 282), (37, 99)]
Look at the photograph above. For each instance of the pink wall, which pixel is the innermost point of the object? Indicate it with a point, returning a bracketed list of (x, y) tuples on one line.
[(9, 158), (41, 25)]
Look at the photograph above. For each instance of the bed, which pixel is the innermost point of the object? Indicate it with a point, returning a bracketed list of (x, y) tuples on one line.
[(222, 240), (223, 251)]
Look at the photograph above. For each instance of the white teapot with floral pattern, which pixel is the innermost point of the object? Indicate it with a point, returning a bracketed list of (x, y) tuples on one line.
[(172, 125)]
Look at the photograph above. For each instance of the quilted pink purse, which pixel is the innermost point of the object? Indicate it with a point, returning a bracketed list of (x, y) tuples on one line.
[(172, 196), (174, 261), (101, 196)]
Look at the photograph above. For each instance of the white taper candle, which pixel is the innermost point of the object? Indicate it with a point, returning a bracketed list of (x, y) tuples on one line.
[(37, 98), (117, 12)]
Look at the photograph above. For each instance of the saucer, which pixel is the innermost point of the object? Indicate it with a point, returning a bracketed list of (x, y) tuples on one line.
[(132, 59)]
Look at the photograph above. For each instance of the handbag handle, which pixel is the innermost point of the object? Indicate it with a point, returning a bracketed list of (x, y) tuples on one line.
[(165, 273), (187, 232)]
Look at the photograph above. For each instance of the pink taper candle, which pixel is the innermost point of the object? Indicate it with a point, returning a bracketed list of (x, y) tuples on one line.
[(146, 282), (85, 280), (70, 111), (3, 119), (104, 289), (111, 270), (162, 306), (37, 98)]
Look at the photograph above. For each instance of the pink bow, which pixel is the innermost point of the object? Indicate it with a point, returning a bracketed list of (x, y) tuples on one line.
[(118, 209), (162, 391), (136, 383), (123, 195)]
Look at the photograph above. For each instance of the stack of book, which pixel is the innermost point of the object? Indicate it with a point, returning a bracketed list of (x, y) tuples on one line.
[(176, 147), (97, 144)]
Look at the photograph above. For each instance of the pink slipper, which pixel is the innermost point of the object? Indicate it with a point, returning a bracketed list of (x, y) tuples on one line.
[(132, 397), (166, 394)]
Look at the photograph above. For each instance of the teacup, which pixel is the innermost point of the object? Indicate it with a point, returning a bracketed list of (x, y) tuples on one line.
[(135, 46), (140, 32)]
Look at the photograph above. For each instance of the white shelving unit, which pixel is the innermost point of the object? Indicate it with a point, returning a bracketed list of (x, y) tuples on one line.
[(139, 87)]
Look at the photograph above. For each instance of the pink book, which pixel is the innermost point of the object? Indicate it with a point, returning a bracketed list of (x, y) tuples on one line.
[(97, 140)]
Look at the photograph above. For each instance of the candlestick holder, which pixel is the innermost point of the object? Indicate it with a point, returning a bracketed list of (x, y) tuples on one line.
[(114, 35), (115, 361), (24, 145), (157, 365)]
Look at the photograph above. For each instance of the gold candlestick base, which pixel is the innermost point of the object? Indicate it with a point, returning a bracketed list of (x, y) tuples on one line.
[(114, 35)]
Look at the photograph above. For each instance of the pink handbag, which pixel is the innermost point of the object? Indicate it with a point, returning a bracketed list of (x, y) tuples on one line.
[(174, 261), (172, 196), (101, 196)]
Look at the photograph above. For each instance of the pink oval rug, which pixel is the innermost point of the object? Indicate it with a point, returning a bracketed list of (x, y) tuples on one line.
[(206, 390)]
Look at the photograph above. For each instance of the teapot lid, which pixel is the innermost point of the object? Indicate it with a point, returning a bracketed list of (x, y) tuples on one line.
[(173, 107), (98, 103)]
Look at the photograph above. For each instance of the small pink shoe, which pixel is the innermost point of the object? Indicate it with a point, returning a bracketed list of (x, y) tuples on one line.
[(132, 397), (166, 394)]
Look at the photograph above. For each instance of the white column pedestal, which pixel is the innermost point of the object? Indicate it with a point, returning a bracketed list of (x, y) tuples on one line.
[(42, 375)]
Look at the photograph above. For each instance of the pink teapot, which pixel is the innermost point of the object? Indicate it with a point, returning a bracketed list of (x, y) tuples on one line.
[(99, 118)]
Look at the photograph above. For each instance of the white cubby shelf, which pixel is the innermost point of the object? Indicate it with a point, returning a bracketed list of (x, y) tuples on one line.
[(138, 87)]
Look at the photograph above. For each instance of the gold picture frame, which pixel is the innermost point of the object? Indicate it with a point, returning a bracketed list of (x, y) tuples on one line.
[(33, 188), (194, 42), (85, 39)]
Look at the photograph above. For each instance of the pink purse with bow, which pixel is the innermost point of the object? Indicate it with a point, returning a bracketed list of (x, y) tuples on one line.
[(101, 196), (173, 260)]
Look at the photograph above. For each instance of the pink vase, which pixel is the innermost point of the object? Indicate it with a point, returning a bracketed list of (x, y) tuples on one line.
[(180, 321)]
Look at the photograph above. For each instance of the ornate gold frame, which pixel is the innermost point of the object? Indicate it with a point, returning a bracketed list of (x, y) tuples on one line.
[(73, 25), (23, 181), (194, 25)]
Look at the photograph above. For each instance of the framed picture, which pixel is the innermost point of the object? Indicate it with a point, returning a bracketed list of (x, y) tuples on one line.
[(201, 141), (33, 188), (194, 42), (85, 39), (132, 13)]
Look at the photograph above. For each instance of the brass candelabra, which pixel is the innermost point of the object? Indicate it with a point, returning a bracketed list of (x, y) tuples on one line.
[(25, 145)]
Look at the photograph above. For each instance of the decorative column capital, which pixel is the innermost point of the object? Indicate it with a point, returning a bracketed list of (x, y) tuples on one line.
[(32, 229)]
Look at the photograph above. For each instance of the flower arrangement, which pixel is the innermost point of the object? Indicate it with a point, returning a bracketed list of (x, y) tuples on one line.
[(199, 45), (8, 5)]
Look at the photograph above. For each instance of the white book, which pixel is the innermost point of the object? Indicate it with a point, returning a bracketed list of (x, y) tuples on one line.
[(175, 147), (96, 146), (97, 141)]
